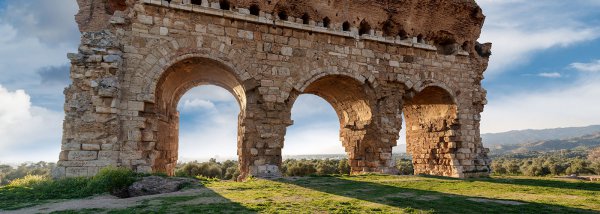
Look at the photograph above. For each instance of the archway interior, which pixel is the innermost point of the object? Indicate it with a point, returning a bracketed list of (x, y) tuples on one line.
[(431, 126), (315, 130), (349, 99), (208, 124), (173, 84)]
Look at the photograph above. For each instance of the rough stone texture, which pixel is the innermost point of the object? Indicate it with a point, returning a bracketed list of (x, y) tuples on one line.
[(413, 57), (152, 185)]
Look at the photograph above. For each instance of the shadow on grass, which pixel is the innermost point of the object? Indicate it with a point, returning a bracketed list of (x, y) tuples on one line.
[(428, 200), (208, 201), (575, 184), (200, 199)]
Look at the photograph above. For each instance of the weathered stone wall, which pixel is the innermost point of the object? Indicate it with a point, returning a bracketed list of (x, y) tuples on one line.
[(138, 59)]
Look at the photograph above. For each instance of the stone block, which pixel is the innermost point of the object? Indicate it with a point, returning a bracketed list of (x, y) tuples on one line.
[(90, 147), (83, 155), (76, 171)]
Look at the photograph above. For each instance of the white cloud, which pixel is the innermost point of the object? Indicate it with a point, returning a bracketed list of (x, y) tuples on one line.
[(518, 29), (575, 105), (36, 34), (550, 75), (197, 103), (593, 66), (52, 22), (27, 131)]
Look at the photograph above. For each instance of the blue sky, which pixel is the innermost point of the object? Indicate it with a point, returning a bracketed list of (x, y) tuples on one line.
[(544, 72)]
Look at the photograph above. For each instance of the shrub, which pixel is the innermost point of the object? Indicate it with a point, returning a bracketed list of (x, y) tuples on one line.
[(327, 167), (28, 181), (112, 179), (405, 167), (344, 167)]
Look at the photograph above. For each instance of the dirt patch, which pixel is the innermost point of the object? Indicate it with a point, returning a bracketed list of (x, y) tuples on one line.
[(428, 197), (205, 200), (102, 202), (483, 200)]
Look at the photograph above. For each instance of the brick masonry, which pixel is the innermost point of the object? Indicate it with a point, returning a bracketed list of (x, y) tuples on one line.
[(137, 58)]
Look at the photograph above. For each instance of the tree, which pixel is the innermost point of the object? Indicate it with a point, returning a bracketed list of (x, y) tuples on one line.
[(594, 155), (405, 166), (343, 167)]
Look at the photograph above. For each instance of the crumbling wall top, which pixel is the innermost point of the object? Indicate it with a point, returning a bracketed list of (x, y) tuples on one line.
[(440, 22)]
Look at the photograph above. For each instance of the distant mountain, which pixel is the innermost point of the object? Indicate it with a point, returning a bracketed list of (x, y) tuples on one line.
[(531, 136), (577, 143)]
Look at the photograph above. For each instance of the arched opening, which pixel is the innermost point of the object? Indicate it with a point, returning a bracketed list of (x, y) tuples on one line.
[(305, 19), (255, 9), (388, 28), (282, 15), (170, 88), (207, 124), (402, 158), (196, 2), (224, 5), (364, 28), (403, 34), (431, 127), (420, 38), (326, 22), (346, 26), (350, 101), (315, 129)]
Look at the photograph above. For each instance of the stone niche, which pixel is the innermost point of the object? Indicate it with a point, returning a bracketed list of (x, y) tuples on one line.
[(375, 62)]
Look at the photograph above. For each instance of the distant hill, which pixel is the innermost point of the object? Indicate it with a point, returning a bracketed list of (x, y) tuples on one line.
[(531, 136), (577, 143)]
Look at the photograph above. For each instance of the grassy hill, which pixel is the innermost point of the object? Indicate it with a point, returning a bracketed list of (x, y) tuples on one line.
[(356, 194), (577, 143), (530, 135)]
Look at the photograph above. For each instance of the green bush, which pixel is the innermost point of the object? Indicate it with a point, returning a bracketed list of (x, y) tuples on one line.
[(405, 167), (28, 181), (112, 179), (8, 173), (33, 189), (344, 167)]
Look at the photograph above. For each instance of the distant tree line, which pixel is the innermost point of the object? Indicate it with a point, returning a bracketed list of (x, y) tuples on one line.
[(9, 173), (228, 170), (548, 163)]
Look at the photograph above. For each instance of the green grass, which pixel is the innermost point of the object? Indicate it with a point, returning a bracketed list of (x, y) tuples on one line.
[(34, 190), (381, 194)]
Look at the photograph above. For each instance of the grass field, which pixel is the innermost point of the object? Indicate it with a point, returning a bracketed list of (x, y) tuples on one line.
[(377, 194)]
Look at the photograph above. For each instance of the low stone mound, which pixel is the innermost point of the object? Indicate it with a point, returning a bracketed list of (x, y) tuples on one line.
[(152, 185)]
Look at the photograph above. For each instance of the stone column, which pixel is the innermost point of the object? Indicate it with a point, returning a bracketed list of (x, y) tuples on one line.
[(91, 125), (262, 132)]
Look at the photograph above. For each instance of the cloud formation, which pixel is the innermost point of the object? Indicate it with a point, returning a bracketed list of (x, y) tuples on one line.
[(55, 74), (52, 22), (518, 29), (593, 66), (550, 74), (27, 129), (572, 105)]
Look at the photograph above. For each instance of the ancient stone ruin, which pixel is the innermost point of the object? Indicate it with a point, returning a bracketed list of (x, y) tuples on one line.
[(376, 62)]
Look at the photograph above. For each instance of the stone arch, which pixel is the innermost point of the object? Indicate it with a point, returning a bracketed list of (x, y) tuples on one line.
[(431, 83), (149, 84), (353, 100), (316, 74), (177, 79), (432, 125)]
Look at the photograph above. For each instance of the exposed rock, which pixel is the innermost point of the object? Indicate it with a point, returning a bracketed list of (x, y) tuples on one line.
[(152, 185)]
